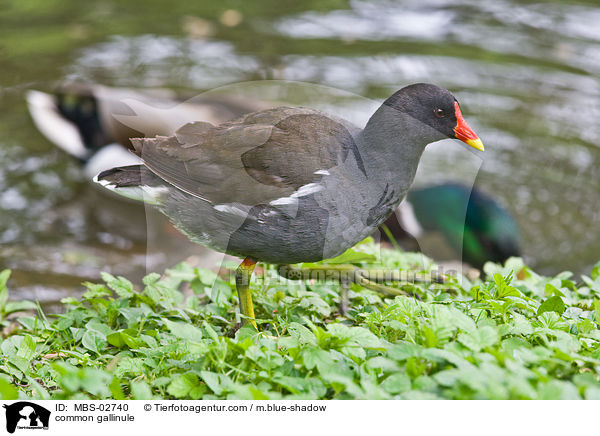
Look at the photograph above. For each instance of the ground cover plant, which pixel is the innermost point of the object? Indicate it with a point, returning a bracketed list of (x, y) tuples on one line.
[(511, 335)]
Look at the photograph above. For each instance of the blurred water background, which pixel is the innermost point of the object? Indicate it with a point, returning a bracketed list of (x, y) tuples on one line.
[(526, 74)]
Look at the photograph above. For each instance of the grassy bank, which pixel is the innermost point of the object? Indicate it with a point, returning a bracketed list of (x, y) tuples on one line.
[(513, 334)]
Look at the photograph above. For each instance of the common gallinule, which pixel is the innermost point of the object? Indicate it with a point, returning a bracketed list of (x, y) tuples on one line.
[(472, 222), (289, 185), (83, 119)]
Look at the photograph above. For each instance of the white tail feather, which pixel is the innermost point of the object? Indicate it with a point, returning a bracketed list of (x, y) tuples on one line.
[(146, 194)]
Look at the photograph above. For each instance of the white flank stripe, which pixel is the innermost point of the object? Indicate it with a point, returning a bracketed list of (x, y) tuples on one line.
[(230, 208), (284, 201), (305, 190)]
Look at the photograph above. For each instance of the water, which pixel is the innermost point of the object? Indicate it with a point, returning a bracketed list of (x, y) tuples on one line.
[(526, 75)]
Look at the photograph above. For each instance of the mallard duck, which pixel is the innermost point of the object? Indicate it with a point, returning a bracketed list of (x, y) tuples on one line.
[(474, 224), (93, 123)]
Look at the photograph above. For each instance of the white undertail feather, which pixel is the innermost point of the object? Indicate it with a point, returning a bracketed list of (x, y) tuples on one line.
[(233, 209), (53, 125), (147, 194)]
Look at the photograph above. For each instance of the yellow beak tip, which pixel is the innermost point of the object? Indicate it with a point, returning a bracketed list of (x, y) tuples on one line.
[(475, 143)]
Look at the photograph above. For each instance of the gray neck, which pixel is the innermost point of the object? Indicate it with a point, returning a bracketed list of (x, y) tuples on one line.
[(391, 146)]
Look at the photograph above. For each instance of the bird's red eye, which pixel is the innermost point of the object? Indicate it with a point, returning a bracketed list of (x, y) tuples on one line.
[(439, 112)]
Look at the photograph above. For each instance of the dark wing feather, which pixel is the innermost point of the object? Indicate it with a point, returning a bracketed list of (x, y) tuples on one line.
[(316, 141), (259, 158)]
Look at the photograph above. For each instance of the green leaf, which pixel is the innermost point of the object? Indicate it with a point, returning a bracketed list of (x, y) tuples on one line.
[(354, 335), (133, 315), (93, 341), (96, 382), (206, 276), (219, 293), (27, 348), (130, 365), (396, 383), (116, 340), (121, 286), (521, 325), (151, 279), (212, 381), (300, 385), (304, 335), (19, 306), (183, 384), (552, 304), (340, 382), (140, 390), (4, 275), (404, 350), (211, 332), (98, 327), (595, 271), (550, 289), (503, 286), (8, 391), (95, 291), (115, 389), (480, 338), (122, 338), (184, 331), (316, 357), (382, 363), (461, 320), (447, 377), (558, 390)]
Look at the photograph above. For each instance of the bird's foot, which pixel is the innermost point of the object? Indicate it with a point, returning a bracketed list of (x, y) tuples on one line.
[(372, 279)]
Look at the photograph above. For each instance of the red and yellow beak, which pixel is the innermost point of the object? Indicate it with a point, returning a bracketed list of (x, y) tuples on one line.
[(463, 132)]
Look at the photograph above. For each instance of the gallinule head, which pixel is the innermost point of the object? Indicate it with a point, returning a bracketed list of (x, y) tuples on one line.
[(83, 119), (289, 185), (472, 222)]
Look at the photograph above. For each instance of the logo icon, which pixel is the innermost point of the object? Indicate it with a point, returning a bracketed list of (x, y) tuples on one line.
[(26, 415)]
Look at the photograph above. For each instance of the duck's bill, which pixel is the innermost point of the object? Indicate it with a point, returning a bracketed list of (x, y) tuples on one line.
[(463, 132)]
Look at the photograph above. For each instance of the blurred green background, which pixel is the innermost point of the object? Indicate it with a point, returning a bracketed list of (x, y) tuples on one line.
[(526, 74)]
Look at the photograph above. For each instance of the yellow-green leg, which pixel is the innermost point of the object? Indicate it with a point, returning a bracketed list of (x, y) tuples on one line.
[(242, 284)]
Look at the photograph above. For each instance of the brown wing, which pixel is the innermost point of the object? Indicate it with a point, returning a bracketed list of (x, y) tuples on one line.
[(259, 158)]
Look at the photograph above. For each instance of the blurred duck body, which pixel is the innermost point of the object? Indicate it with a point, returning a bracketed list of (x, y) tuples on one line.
[(454, 221), (93, 123)]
